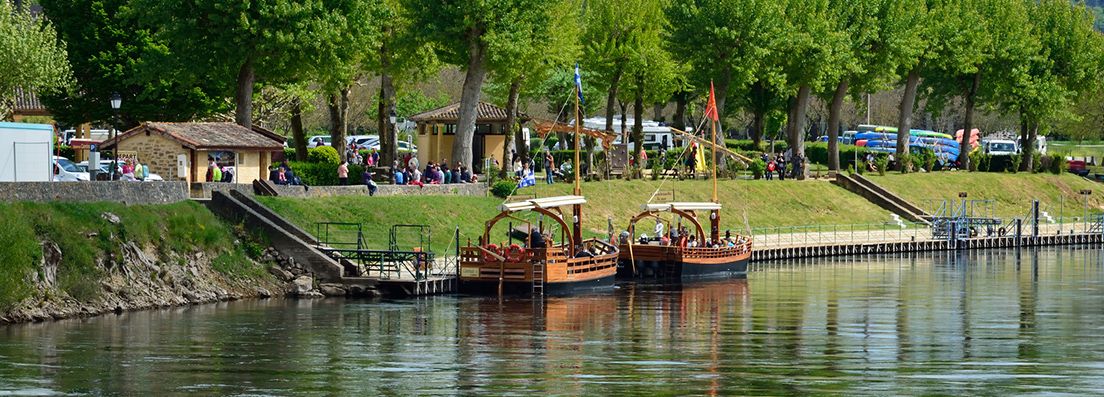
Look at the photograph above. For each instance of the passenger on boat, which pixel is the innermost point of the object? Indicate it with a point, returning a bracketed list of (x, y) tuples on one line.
[(693, 242), (536, 239), (581, 252), (664, 240), (659, 228)]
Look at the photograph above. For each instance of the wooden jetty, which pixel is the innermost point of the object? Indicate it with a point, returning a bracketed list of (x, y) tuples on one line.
[(891, 247)]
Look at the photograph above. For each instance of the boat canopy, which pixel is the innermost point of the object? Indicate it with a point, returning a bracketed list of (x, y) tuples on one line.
[(543, 203), (705, 206)]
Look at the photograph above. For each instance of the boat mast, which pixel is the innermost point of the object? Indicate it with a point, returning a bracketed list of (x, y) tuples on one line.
[(577, 209), (715, 215)]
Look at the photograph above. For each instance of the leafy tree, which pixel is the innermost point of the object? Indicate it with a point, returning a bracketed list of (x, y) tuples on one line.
[(31, 56), (400, 58), (466, 33), (911, 66), (976, 41), (241, 43), (814, 50), (881, 35), (529, 58), (1066, 64)]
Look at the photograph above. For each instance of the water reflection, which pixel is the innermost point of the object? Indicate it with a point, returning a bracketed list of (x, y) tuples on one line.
[(978, 323)]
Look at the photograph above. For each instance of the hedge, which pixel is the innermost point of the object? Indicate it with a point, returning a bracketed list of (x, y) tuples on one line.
[(324, 174)]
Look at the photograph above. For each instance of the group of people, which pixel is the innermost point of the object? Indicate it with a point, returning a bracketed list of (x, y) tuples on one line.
[(782, 165), (215, 173), (283, 175), (680, 236), (132, 170), (370, 159), (435, 173)]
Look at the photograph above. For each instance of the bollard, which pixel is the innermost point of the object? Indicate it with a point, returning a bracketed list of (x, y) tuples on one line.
[(1019, 227)]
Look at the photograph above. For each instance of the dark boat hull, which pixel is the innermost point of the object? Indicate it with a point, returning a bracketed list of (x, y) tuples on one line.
[(596, 285), (645, 269)]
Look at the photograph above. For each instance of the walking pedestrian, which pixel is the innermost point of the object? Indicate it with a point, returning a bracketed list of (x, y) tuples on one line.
[(343, 173)]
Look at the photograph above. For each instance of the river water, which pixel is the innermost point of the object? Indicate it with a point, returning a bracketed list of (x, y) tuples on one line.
[(993, 322)]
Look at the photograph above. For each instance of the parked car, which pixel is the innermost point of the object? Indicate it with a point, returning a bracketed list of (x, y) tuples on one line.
[(318, 140), (66, 171), (404, 147), (1078, 167), (363, 141)]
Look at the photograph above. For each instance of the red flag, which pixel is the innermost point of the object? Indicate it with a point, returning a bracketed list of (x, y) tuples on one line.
[(711, 108)]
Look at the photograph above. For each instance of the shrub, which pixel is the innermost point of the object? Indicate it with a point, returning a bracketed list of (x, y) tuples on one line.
[(1057, 164), (323, 155), (1014, 163), (757, 167), (492, 174), (881, 162), (289, 153), (67, 152), (904, 162), (503, 188), (1037, 163), (324, 174), (817, 152)]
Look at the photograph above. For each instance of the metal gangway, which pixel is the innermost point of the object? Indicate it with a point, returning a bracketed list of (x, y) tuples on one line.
[(401, 260)]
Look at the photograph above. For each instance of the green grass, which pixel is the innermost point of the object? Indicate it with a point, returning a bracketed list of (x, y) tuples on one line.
[(85, 237), (766, 203), (1078, 149), (1012, 193)]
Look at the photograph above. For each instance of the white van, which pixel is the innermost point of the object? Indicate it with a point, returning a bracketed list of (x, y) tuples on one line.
[(1000, 147)]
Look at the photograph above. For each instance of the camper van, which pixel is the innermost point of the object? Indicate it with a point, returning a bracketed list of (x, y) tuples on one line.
[(656, 136)]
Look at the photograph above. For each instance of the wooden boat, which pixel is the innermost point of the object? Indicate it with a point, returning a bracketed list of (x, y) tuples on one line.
[(682, 258), (573, 265)]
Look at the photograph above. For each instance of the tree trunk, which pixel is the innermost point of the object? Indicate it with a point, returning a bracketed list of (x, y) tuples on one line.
[(964, 144), (638, 122), (243, 98), (834, 125), (469, 101), (389, 138), (624, 124), (904, 116), (511, 119), (611, 103), (297, 133), (758, 125), (657, 111), (797, 131), (339, 110), (679, 121), (1027, 138)]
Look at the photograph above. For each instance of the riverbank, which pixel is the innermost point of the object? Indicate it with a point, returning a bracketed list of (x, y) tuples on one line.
[(765, 203), (64, 260), (1011, 193)]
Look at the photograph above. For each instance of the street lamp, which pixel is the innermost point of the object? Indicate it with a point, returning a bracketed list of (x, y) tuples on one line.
[(393, 139), (116, 102)]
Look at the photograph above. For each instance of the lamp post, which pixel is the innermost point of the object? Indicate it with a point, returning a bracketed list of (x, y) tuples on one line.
[(393, 139), (116, 102)]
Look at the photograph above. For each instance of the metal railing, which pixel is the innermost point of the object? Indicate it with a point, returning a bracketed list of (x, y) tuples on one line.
[(792, 236)]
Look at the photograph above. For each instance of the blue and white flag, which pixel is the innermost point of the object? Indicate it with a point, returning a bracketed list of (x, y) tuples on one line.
[(529, 179), (579, 84)]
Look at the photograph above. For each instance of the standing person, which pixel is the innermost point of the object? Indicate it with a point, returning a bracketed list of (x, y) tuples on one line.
[(781, 168), (770, 169), (366, 177), (375, 157), (549, 167), (692, 162), (343, 173)]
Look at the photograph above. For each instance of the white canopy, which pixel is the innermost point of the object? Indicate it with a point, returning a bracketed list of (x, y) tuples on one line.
[(545, 203), (706, 206)]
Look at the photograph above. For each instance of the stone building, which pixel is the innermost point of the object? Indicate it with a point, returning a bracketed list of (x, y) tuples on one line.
[(182, 151), (436, 131)]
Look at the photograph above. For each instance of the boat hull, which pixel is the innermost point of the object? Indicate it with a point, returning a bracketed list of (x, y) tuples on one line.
[(673, 263), (593, 286)]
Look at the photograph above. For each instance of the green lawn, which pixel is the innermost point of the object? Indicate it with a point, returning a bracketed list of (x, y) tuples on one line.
[(1012, 193), (765, 203), (1078, 149)]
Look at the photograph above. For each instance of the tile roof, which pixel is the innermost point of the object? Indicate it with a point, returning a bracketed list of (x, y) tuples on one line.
[(484, 112), (208, 135), (27, 103)]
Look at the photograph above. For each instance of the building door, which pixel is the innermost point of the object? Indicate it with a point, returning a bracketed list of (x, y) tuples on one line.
[(479, 152)]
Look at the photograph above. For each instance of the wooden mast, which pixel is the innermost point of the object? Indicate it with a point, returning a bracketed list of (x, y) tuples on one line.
[(715, 215), (577, 209)]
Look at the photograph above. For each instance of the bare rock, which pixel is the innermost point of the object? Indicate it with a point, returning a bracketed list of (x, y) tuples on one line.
[(281, 274), (114, 219), (303, 285), (311, 295), (332, 289)]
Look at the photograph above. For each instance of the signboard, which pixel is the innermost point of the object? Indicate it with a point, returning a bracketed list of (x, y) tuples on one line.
[(961, 194), (1086, 192), (665, 195), (469, 272)]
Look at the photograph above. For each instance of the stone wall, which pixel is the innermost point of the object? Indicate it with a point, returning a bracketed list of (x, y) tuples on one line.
[(204, 189), (120, 192), (471, 189), (157, 152)]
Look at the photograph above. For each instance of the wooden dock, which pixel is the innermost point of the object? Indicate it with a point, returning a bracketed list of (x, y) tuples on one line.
[(892, 247)]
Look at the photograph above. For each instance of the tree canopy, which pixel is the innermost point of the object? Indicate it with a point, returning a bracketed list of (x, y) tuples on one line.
[(31, 56)]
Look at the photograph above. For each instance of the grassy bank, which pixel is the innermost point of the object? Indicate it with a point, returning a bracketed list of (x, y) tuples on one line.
[(1012, 193), (86, 237), (765, 203)]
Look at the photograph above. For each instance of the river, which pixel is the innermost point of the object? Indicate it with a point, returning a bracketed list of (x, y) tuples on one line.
[(990, 322)]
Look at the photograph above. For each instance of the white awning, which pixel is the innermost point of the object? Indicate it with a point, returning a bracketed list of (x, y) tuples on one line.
[(545, 203), (706, 206)]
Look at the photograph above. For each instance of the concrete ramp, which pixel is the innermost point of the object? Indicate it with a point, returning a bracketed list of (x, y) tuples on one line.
[(881, 197)]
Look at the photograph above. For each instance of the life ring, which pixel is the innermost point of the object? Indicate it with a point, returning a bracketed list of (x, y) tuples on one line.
[(490, 248), (514, 253)]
